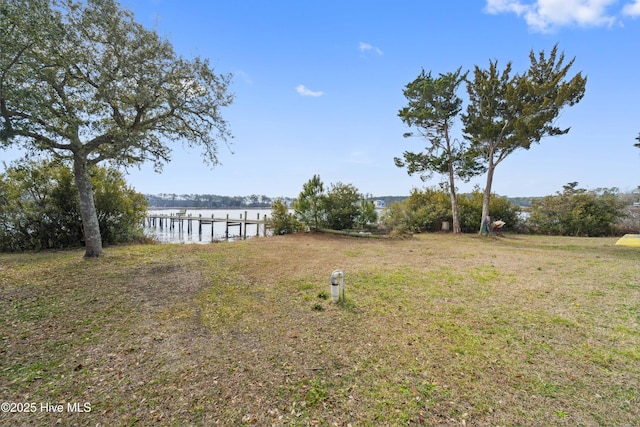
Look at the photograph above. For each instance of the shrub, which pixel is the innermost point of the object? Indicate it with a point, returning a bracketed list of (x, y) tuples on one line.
[(421, 211), (368, 216), (282, 221), (577, 212), (308, 204), (39, 207), (121, 210), (425, 210), (500, 208), (341, 208)]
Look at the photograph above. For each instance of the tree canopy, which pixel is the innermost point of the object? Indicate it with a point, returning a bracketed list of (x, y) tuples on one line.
[(82, 80), (509, 112)]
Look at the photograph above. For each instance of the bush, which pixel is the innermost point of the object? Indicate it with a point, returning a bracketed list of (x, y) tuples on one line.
[(341, 208), (308, 205), (39, 207), (577, 212), (368, 216), (426, 210), (421, 211), (282, 221), (500, 208), (121, 210)]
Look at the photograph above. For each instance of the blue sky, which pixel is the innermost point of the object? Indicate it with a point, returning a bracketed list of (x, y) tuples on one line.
[(318, 85)]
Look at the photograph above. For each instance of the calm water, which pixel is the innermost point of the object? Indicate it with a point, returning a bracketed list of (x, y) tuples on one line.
[(180, 235)]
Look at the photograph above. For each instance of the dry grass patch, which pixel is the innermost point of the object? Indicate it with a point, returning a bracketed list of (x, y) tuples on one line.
[(437, 329)]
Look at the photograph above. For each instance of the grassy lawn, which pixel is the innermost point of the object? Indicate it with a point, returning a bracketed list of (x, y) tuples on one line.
[(437, 329)]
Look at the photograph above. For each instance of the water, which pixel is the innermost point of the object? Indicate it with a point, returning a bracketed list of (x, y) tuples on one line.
[(181, 235)]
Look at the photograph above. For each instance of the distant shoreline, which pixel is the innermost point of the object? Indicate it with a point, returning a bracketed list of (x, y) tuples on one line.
[(199, 208)]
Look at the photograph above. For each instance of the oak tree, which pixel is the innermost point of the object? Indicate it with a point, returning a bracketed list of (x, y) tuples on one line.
[(82, 80)]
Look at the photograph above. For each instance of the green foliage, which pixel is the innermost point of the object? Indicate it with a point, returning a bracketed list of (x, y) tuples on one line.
[(121, 210), (39, 207), (421, 211), (82, 80), (425, 210), (577, 212), (283, 221), (308, 204), (432, 109), (508, 112), (116, 92), (368, 215), (342, 207), (433, 105), (500, 207)]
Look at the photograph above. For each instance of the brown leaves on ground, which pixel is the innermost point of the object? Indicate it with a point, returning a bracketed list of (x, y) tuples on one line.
[(438, 329)]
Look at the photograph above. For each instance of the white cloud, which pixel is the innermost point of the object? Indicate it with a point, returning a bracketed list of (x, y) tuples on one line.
[(244, 76), (302, 90), (358, 157), (632, 9), (499, 6), (366, 47), (547, 15)]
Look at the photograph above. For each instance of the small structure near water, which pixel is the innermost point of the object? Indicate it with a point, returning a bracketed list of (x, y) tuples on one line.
[(180, 219)]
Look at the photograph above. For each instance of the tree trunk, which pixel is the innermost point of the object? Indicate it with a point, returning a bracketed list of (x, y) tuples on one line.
[(487, 194), (454, 201), (90, 225)]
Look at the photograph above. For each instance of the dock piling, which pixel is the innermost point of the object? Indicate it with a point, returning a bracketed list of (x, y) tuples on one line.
[(163, 221)]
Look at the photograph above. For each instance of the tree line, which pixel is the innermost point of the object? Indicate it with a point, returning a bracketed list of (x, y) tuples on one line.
[(215, 201), (212, 201)]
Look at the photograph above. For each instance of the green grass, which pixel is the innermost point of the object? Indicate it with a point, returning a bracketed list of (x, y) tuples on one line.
[(439, 329)]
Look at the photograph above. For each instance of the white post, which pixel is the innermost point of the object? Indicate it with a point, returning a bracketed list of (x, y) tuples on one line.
[(337, 286)]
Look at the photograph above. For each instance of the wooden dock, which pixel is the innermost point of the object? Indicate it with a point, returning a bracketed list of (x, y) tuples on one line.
[(179, 221)]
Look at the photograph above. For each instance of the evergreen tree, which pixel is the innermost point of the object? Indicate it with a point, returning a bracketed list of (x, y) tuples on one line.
[(507, 113), (432, 109)]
